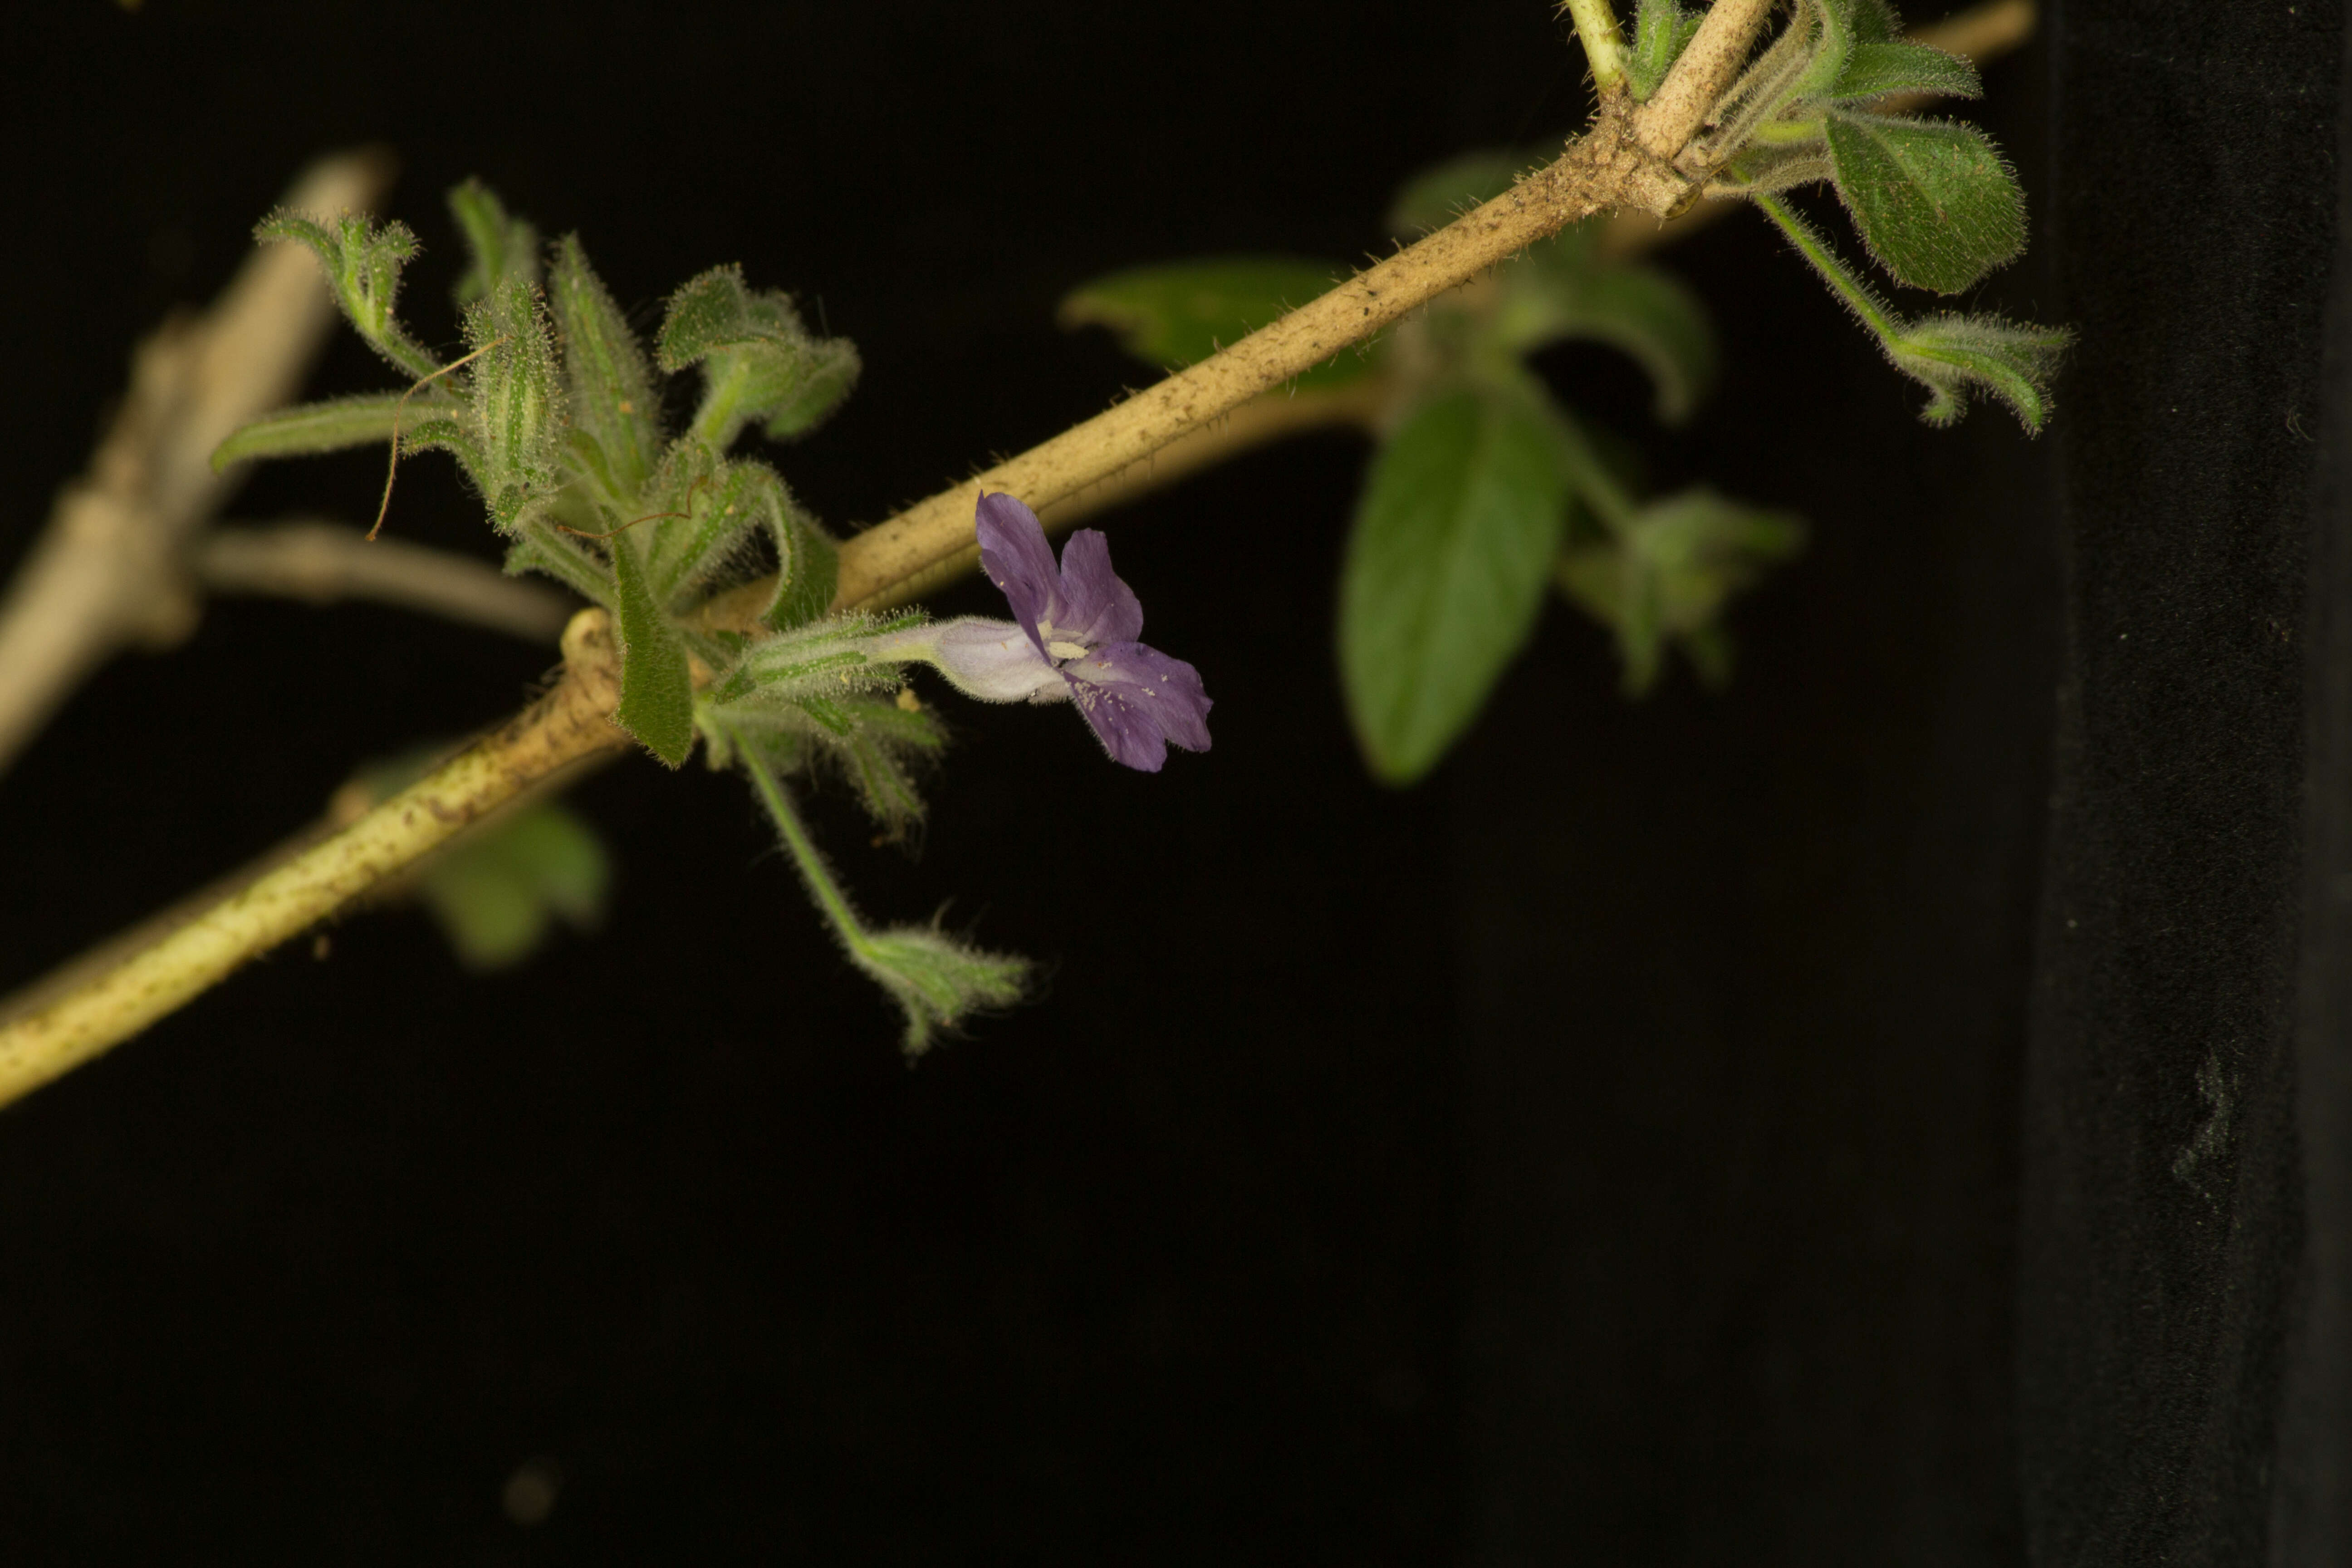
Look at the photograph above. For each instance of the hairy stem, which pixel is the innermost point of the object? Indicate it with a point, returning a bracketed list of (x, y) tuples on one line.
[(805, 854), (1596, 27), (1848, 286), (569, 723)]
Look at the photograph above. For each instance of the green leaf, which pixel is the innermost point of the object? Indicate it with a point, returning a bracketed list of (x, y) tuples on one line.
[(365, 421), (362, 264), (887, 744), (612, 399), (1955, 354), (1180, 312), (821, 381), (1950, 354), (501, 247), (1646, 313), (1662, 29), (656, 684), (1872, 70), (760, 364), (496, 894), (515, 406), (1668, 573), (1934, 203), (1454, 537), (808, 571), (1838, 26), (538, 546)]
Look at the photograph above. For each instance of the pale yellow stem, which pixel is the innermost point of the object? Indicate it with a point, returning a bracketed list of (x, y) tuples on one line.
[(572, 722)]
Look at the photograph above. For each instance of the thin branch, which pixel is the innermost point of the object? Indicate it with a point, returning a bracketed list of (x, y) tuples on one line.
[(320, 562), (1604, 51), (572, 722), (1605, 168), (107, 573)]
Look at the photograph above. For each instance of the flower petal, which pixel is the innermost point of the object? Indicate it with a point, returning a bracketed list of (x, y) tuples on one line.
[(994, 661), (1014, 554), (1136, 699), (1098, 607)]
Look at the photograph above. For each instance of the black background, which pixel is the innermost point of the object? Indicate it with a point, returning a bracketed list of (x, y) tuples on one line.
[(1655, 1140)]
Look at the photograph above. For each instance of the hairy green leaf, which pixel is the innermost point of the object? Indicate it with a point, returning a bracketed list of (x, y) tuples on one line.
[(515, 406), (1950, 354), (1454, 537), (363, 421), (1873, 70), (538, 546), (1182, 313), (501, 247), (759, 364), (612, 399), (496, 894), (657, 685), (937, 980), (1934, 203), (1954, 355), (363, 263), (808, 570)]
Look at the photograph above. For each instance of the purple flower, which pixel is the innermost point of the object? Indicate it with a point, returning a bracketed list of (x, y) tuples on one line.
[(1075, 640)]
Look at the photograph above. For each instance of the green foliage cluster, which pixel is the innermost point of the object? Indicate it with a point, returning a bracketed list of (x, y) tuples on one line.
[(1936, 206), (556, 416)]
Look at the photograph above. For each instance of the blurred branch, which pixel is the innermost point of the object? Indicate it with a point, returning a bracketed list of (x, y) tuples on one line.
[(108, 572), (320, 562)]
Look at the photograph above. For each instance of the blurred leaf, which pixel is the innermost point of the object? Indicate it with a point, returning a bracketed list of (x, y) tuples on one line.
[(1645, 313), (496, 894), (501, 247), (1872, 70), (1182, 313), (1668, 573), (657, 685), (1934, 203), (1443, 192), (1454, 534)]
